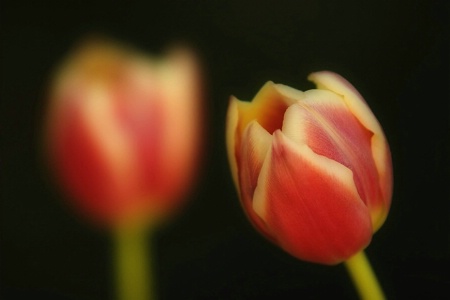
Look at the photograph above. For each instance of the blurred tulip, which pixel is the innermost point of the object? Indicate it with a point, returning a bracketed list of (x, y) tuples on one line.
[(124, 131), (313, 169)]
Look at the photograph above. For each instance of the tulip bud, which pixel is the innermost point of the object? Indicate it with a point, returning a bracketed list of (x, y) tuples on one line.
[(313, 169), (123, 131)]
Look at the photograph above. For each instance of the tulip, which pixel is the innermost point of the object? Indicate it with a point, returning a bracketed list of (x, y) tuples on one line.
[(123, 131), (124, 136), (313, 169)]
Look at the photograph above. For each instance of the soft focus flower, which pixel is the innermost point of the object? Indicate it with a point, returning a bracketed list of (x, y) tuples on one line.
[(123, 131), (313, 169)]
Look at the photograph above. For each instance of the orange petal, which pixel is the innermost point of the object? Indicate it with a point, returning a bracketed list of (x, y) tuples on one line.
[(255, 145), (380, 149), (311, 204), (323, 121), (267, 108)]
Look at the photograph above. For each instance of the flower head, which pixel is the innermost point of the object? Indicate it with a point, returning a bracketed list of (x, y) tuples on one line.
[(123, 131), (313, 169)]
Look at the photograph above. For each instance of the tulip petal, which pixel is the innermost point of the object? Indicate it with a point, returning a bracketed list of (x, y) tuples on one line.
[(311, 204), (158, 105), (110, 138), (380, 150), (323, 122), (255, 145), (290, 93), (267, 108), (180, 82), (92, 153)]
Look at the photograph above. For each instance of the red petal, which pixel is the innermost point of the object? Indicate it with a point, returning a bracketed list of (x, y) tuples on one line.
[(323, 122), (255, 145), (91, 158), (380, 149), (311, 204)]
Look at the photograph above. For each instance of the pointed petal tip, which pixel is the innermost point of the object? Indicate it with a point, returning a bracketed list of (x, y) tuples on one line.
[(267, 89), (233, 98), (290, 94), (323, 73), (269, 83), (331, 81)]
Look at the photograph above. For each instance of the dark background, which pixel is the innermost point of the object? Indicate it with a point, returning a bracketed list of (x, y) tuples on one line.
[(394, 52)]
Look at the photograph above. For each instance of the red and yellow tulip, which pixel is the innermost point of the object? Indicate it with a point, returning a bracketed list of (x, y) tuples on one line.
[(123, 131), (313, 169)]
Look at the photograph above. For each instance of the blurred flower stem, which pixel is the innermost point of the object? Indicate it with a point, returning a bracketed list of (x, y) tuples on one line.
[(133, 260), (363, 277)]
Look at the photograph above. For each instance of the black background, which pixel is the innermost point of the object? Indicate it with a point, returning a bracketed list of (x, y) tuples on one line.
[(394, 52)]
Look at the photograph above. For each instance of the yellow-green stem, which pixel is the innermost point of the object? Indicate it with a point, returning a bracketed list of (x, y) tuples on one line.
[(133, 264), (364, 278)]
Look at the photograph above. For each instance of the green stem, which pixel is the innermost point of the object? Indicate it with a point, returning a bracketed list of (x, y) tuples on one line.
[(364, 278), (133, 264)]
